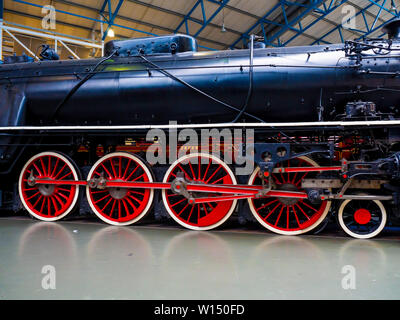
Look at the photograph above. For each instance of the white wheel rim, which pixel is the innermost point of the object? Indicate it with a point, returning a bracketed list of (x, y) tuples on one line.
[(164, 192), (148, 174), (75, 176), (362, 236)]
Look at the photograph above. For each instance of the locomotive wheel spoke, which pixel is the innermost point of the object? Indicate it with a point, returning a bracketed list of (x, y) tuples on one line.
[(308, 206), (267, 204), (295, 214), (54, 203), (38, 200), (191, 169), (54, 169), (59, 172), (223, 177), (59, 200), (131, 203), (132, 173), (120, 206), (305, 214), (48, 202), (113, 168), (279, 215), (212, 176), (178, 202), (206, 169), (106, 205), (63, 195), (275, 178), (288, 216)]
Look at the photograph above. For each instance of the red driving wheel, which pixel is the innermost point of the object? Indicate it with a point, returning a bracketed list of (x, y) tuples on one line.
[(48, 202), (119, 205), (288, 216), (199, 168)]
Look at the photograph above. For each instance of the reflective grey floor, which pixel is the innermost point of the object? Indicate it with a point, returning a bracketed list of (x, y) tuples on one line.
[(97, 261)]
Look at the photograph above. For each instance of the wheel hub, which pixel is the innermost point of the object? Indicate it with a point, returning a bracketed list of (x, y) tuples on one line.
[(118, 192), (288, 187), (362, 216), (46, 189), (47, 201), (198, 168)]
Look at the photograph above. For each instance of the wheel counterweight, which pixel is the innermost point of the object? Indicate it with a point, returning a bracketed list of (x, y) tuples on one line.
[(288, 216), (120, 206), (45, 201), (199, 168)]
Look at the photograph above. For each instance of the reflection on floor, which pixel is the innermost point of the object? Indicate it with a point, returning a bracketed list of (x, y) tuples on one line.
[(96, 261)]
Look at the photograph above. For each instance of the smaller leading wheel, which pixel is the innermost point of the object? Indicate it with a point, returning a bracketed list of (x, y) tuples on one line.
[(48, 202), (362, 219), (120, 206)]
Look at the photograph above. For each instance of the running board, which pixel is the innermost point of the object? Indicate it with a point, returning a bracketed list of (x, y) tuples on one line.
[(316, 124)]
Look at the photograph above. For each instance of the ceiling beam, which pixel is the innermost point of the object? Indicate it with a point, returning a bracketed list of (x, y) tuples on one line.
[(240, 11), (206, 21), (325, 11), (213, 15), (369, 28), (293, 22), (367, 12), (143, 23), (112, 16), (237, 10), (281, 17), (224, 45), (28, 15), (288, 13), (181, 15)]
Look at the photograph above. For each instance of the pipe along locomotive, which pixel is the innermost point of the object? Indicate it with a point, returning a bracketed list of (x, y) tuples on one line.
[(325, 119)]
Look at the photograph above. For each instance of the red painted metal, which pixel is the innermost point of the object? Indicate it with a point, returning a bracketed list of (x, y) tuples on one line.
[(213, 179), (306, 169), (112, 204), (218, 199), (280, 194), (291, 216), (61, 182), (245, 191), (207, 181), (362, 216), (140, 185), (287, 194), (54, 203), (219, 189)]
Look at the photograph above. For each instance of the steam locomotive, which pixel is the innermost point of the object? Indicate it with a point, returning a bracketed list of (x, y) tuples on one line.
[(325, 121)]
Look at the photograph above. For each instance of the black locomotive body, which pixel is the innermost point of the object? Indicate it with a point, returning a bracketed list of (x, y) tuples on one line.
[(289, 84), (325, 120)]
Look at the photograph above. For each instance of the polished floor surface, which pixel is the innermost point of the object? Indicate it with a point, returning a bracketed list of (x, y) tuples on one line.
[(95, 261)]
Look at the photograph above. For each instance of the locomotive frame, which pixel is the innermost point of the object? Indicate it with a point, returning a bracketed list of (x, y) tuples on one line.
[(337, 178)]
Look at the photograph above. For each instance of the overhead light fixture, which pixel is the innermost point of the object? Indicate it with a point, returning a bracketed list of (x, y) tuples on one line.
[(393, 7), (223, 20), (110, 33), (223, 28)]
